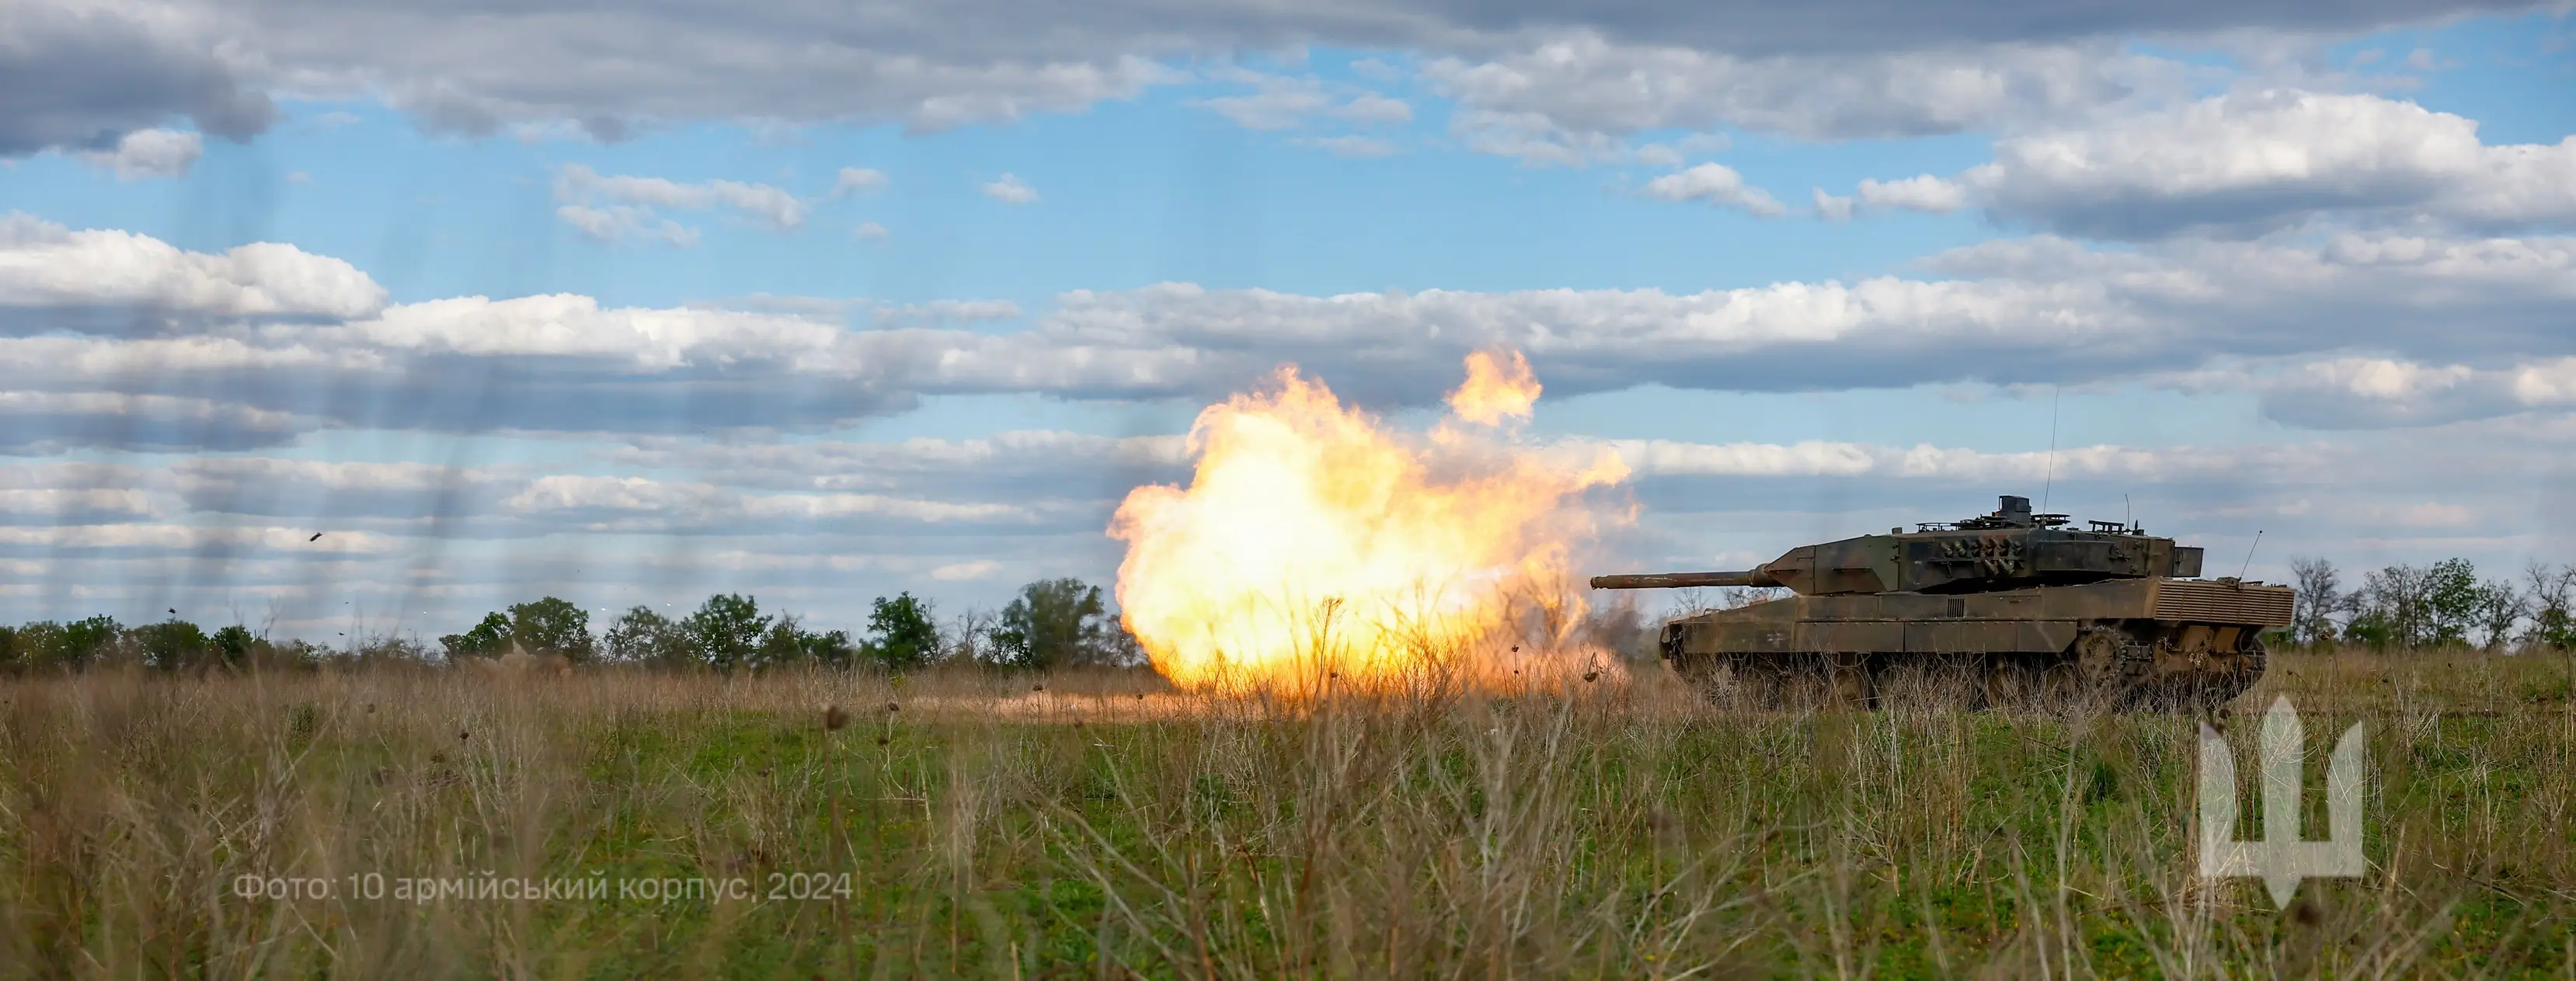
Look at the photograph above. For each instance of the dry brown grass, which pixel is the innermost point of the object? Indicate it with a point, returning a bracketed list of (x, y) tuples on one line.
[(1105, 826)]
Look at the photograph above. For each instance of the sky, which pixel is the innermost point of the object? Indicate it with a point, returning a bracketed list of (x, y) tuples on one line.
[(828, 301)]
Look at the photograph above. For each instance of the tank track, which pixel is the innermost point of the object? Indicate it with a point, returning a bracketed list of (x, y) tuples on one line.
[(2105, 666)]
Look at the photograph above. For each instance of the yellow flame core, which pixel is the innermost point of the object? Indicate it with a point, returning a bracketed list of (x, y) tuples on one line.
[(1496, 389), (1314, 544)]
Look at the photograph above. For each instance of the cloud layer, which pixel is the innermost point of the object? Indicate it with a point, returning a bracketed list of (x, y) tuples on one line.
[(83, 74), (123, 339), (2249, 164)]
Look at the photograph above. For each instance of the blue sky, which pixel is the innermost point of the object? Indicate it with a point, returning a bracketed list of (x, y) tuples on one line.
[(915, 311)]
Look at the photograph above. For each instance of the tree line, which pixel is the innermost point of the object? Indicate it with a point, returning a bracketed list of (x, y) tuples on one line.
[(1050, 623), (2446, 604), (1056, 623)]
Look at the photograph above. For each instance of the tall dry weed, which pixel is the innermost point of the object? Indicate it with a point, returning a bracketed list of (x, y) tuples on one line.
[(1099, 824)]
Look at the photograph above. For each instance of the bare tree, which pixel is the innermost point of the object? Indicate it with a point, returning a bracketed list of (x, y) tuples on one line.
[(2549, 597), (2320, 597), (970, 636)]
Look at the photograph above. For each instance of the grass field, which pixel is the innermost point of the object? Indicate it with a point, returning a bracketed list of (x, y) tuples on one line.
[(1105, 827)]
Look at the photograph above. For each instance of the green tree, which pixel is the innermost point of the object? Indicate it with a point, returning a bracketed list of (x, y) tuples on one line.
[(171, 644), (2499, 607), (85, 640), (789, 643), (46, 644), (727, 631), (11, 654), (551, 624), (831, 647), (1056, 623), (488, 639), (2452, 601), (2394, 609), (39, 643), (901, 633), (642, 636), (233, 644)]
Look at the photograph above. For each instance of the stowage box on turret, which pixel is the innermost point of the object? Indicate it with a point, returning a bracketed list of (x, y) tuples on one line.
[(2019, 602)]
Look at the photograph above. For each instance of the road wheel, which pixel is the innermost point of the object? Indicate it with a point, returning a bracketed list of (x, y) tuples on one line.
[(2214, 694)]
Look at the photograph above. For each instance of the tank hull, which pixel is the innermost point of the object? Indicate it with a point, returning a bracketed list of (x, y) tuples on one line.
[(2126, 641)]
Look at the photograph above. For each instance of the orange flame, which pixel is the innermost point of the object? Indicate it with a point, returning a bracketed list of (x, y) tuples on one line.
[(1314, 544), (1495, 389)]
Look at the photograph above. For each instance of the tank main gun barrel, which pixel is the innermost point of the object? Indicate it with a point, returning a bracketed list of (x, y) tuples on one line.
[(1685, 580)]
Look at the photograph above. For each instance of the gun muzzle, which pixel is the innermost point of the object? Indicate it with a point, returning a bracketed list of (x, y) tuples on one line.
[(1685, 580)]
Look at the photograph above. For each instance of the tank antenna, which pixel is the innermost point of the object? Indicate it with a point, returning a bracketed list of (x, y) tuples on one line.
[(2249, 555), (2051, 482)]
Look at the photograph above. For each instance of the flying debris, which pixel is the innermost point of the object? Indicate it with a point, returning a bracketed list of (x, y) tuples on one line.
[(317, 536)]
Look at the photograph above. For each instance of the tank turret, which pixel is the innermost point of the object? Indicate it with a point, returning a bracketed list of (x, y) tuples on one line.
[(2011, 548)]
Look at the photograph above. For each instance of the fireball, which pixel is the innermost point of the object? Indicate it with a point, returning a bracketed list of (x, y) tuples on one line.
[(1315, 546)]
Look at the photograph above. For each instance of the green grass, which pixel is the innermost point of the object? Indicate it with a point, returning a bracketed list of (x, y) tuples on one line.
[(1609, 830)]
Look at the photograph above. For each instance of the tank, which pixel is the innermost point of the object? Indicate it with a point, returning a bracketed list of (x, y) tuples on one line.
[(2005, 607)]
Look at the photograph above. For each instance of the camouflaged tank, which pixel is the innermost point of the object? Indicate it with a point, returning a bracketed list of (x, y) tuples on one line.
[(2012, 606)]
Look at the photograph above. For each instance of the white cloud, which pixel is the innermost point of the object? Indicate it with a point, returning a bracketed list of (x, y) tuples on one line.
[(620, 222), (1370, 107), (565, 325), (1012, 190), (858, 180), (698, 503), (146, 153), (1533, 138), (1566, 99), (967, 571), (938, 312), (265, 342), (1820, 458), (610, 208), (47, 266), (922, 466), (86, 77), (1831, 208), (869, 231), (770, 206), (1358, 147), (1924, 193), (2253, 162), (60, 501), (1279, 104), (2351, 392), (1715, 184), (186, 539), (1844, 69), (1283, 102)]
